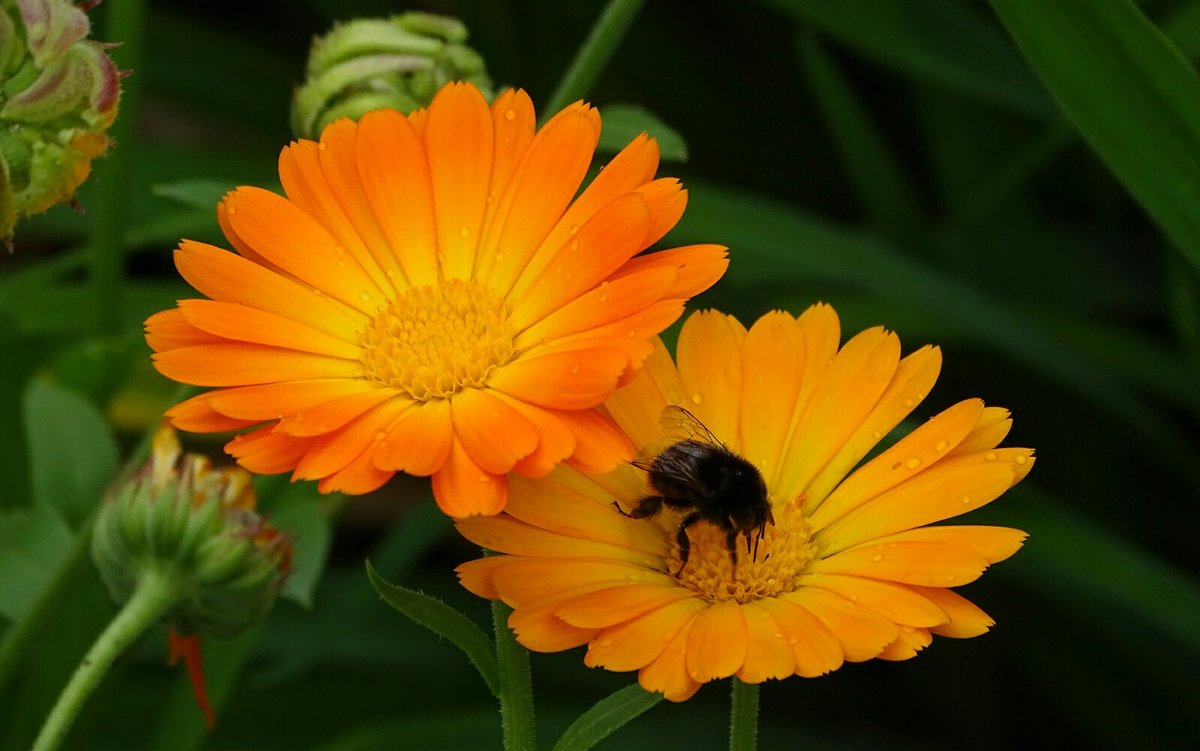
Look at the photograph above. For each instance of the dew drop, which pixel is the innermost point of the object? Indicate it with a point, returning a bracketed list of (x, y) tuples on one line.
[(696, 397), (604, 298), (574, 368), (510, 114), (441, 257), (942, 445), (778, 635), (1021, 459), (877, 435), (991, 456), (913, 463), (574, 245), (391, 273), (464, 233), (491, 197), (364, 295), (321, 146), (484, 478), (950, 577), (966, 500), (606, 642), (230, 209), (908, 629), (380, 435), (574, 228), (877, 557), (908, 403), (341, 264), (499, 254)]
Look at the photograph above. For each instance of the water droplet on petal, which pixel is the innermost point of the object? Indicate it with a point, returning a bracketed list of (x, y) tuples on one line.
[(1020, 459), (574, 228), (484, 478), (574, 368), (364, 295), (877, 557), (696, 397), (510, 114), (464, 233), (877, 435), (913, 463), (991, 456), (942, 445), (966, 500), (908, 403), (574, 245)]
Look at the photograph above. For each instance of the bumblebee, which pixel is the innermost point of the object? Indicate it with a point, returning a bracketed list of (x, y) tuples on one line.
[(700, 473)]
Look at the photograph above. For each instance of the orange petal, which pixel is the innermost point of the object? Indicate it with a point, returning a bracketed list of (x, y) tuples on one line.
[(668, 674), (599, 443), (862, 632), (914, 379), (849, 389), (494, 434), (822, 333), (334, 451), (459, 141), (463, 488), (168, 329), (768, 654), (540, 190), (666, 200), (266, 453), (607, 240), (478, 576), (896, 602), (632, 167), (700, 266), (710, 366), (241, 246), (604, 304), (245, 324), (332, 414), (608, 607), (227, 276), (306, 186), (197, 415), (555, 441), (556, 507), (504, 534), (955, 486), (814, 650), (993, 543), (636, 643), (538, 629), (717, 642), (523, 580), (340, 165), (993, 425), (395, 178), (772, 366), (966, 619), (418, 442), (910, 641), (912, 456), (358, 477), (634, 346), (290, 238), (930, 564), (562, 380), (272, 401), (245, 364), (636, 407)]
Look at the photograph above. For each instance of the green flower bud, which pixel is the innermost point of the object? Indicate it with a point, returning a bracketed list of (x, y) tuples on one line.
[(59, 93), (398, 62), (181, 518)]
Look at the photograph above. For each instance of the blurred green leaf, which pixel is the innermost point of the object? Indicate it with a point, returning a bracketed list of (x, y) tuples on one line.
[(624, 122), (458, 729), (35, 542), (1131, 94), (607, 716), (196, 193), (73, 454), (298, 512), (445, 621), (52, 308), (879, 179), (952, 45)]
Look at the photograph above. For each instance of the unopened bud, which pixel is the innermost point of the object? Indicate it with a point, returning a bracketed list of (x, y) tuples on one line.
[(60, 95), (398, 62)]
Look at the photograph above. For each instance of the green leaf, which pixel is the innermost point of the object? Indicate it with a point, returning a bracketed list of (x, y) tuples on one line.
[(951, 45), (624, 122), (196, 193), (73, 453), (1130, 93), (298, 512), (877, 176), (445, 621), (606, 717), (35, 543)]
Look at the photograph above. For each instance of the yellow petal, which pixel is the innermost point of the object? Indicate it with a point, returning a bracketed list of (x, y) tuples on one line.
[(768, 653), (710, 368), (862, 632), (636, 643)]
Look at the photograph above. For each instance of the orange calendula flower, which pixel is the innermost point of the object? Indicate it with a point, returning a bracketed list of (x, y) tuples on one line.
[(432, 297), (846, 567)]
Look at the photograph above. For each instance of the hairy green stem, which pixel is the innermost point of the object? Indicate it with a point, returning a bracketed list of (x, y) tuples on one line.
[(595, 53), (155, 593), (743, 716), (124, 23), (516, 685)]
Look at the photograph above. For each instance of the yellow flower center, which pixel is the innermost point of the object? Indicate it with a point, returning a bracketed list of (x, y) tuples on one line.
[(784, 552), (432, 341)]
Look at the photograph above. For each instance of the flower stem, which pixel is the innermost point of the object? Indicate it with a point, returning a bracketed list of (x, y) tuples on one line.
[(743, 716), (124, 23), (516, 686), (595, 53), (155, 593)]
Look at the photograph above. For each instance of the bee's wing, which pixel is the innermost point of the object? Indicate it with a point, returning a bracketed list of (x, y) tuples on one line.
[(677, 425), (680, 425)]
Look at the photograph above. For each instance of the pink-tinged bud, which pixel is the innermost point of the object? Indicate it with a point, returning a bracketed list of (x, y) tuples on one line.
[(61, 93)]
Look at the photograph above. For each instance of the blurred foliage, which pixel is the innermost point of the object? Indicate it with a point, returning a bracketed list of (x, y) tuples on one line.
[(900, 159)]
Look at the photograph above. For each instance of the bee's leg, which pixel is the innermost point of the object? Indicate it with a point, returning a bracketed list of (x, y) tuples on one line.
[(685, 542), (731, 536), (623, 512), (648, 506)]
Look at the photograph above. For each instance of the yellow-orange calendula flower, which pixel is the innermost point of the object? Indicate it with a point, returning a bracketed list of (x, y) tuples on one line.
[(848, 570), (432, 297)]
